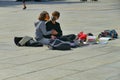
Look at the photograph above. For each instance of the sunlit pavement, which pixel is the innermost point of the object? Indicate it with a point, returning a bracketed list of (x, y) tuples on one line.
[(93, 62)]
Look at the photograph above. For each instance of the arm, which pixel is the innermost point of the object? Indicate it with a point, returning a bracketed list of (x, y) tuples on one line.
[(60, 33), (43, 28)]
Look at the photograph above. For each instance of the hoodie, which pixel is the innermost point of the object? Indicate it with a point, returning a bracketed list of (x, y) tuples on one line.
[(41, 30)]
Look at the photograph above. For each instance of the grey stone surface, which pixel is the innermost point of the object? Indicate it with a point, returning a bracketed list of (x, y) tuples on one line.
[(93, 62)]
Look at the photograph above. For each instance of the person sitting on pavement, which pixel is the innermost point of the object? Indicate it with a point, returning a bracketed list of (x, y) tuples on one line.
[(41, 29), (52, 24)]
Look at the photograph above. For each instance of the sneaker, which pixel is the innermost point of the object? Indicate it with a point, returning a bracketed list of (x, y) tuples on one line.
[(24, 8)]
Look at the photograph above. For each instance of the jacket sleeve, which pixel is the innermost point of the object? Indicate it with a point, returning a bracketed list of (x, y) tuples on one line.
[(43, 29), (60, 33)]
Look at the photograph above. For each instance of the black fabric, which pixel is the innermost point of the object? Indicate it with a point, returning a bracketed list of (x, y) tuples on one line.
[(23, 1), (83, 0), (113, 34), (69, 37), (90, 34), (59, 45), (33, 43), (56, 26), (16, 40), (62, 46), (30, 43)]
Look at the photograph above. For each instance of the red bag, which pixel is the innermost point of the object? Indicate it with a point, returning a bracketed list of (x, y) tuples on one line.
[(82, 36)]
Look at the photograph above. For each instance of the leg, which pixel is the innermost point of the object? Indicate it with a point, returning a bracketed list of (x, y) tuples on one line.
[(45, 41), (69, 37), (24, 5)]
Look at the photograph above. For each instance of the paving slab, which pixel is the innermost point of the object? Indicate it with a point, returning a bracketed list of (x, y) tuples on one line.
[(106, 72), (93, 62)]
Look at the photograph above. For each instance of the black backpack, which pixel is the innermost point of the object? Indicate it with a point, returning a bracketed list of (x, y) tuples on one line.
[(29, 42), (59, 45)]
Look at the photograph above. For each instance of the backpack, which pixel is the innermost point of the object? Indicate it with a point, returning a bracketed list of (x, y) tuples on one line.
[(113, 34), (27, 41), (82, 36), (59, 45), (109, 33)]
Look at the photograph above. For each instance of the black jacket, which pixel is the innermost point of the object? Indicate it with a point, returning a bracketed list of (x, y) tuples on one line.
[(56, 26)]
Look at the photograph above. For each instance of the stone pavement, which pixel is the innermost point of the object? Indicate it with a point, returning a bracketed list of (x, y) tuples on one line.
[(94, 62)]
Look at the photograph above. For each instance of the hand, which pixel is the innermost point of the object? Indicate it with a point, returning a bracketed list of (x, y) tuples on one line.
[(53, 37), (54, 32)]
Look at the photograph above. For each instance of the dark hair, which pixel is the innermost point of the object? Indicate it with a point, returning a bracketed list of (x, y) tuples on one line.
[(56, 13), (42, 15)]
